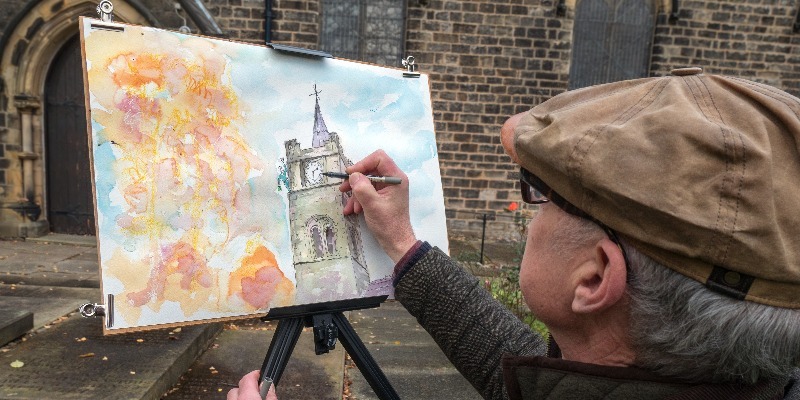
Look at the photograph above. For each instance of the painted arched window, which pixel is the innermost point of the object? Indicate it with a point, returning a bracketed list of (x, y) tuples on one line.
[(323, 235), (319, 249), (330, 239)]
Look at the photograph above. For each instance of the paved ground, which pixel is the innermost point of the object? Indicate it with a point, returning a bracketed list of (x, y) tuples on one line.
[(66, 356), (408, 356)]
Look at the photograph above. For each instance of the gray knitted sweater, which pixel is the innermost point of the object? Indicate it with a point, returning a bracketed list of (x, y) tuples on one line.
[(472, 329)]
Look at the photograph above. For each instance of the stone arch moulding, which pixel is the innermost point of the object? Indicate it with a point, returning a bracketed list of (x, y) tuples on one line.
[(28, 47)]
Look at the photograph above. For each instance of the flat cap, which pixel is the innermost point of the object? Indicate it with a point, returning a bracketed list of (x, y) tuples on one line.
[(699, 172)]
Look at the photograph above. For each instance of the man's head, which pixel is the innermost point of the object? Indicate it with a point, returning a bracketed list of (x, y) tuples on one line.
[(697, 174)]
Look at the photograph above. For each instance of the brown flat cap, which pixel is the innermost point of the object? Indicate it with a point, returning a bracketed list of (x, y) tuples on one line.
[(699, 172)]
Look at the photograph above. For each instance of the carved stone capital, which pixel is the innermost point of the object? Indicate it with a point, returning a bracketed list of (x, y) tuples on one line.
[(28, 155), (27, 103)]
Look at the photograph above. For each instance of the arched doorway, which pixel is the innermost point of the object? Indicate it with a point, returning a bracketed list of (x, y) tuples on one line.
[(70, 207)]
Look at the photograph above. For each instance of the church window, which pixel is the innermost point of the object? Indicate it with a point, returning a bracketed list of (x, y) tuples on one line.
[(612, 41), (365, 30)]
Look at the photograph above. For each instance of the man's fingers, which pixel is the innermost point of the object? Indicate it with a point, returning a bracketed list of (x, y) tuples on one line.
[(352, 206), (233, 394), (271, 395), (376, 163), (362, 188), (357, 208), (250, 381), (348, 207)]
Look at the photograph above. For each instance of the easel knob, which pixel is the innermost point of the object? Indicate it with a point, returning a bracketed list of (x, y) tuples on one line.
[(104, 10), (325, 333), (90, 310)]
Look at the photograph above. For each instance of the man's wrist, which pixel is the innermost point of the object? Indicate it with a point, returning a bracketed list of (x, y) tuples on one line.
[(414, 254), (400, 248)]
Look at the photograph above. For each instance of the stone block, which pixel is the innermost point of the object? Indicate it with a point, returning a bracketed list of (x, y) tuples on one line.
[(14, 323)]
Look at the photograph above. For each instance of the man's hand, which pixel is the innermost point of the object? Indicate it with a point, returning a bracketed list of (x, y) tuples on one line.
[(248, 389), (385, 207)]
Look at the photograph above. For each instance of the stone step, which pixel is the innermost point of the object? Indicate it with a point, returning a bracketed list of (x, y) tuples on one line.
[(71, 359), (14, 323), (46, 303)]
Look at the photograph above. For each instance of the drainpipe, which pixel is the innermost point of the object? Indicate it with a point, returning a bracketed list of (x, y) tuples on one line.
[(675, 12), (268, 22), (202, 17)]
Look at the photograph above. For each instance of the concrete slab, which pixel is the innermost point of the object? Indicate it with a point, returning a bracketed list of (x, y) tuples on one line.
[(73, 360), (46, 303), (61, 238), (236, 352), (44, 276), (408, 356), (50, 292), (44, 252), (13, 323), (51, 264)]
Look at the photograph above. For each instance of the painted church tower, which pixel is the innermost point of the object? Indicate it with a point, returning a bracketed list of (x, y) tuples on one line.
[(328, 254)]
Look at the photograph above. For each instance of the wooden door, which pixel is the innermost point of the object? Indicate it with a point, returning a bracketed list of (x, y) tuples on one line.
[(70, 207)]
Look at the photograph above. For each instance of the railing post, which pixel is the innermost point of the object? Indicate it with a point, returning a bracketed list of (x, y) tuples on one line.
[(485, 217)]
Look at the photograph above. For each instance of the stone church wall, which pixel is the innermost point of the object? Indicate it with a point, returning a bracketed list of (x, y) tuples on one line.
[(488, 60)]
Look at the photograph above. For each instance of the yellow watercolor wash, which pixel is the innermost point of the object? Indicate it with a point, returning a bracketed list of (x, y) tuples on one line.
[(168, 109)]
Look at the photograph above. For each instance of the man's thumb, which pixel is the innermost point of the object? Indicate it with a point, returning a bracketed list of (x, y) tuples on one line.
[(362, 188)]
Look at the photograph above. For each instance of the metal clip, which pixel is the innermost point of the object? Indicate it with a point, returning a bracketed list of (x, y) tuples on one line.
[(90, 310), (299, 51), (104, 10), (411, 68)]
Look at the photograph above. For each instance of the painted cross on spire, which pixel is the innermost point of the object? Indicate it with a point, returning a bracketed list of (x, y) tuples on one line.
[(321, 134)]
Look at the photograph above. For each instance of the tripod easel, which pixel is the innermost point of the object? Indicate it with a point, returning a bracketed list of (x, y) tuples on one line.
[(329, 324)]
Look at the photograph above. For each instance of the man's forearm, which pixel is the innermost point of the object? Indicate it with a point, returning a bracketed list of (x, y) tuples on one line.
[(472, 328)]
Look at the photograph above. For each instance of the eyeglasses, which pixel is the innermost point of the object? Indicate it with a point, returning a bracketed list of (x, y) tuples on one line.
[(530, 194), (535, 191)]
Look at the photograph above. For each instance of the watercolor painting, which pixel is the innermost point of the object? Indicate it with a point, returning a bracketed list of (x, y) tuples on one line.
[(207, 161)]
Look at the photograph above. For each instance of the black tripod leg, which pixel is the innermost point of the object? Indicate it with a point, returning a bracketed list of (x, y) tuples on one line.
[(283, 342), (364, 361)]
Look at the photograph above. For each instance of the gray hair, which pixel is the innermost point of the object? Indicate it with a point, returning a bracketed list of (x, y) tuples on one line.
[(679, 328), (703, 335)]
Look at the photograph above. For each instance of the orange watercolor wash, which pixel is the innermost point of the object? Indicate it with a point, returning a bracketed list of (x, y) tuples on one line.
[(260, 282), (178, 260)]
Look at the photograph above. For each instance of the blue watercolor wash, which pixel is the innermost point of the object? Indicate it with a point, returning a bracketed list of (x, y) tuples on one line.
[(105, 182)]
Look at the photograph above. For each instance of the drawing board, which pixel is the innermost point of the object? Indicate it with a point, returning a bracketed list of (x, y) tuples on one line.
[(207, 157)]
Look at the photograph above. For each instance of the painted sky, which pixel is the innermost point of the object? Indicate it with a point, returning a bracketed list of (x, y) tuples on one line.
[(187, 133)]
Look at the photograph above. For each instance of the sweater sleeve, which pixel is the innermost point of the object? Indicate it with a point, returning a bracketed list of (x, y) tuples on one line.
[(472, 329)]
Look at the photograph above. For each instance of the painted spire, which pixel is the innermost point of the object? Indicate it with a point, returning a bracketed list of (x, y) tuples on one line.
[(321, 134)]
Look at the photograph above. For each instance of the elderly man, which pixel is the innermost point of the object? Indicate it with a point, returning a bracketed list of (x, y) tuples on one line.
[(665, 258)]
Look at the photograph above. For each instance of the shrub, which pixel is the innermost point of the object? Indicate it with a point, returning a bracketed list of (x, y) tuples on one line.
[(505, 289)]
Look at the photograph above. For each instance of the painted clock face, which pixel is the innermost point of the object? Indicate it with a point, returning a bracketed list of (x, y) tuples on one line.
[(313, 172)]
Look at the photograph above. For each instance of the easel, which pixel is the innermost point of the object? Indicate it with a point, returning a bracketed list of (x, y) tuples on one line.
[(329, 324)]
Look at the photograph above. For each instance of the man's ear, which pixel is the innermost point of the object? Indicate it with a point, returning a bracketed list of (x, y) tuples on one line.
[(601, 280)]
